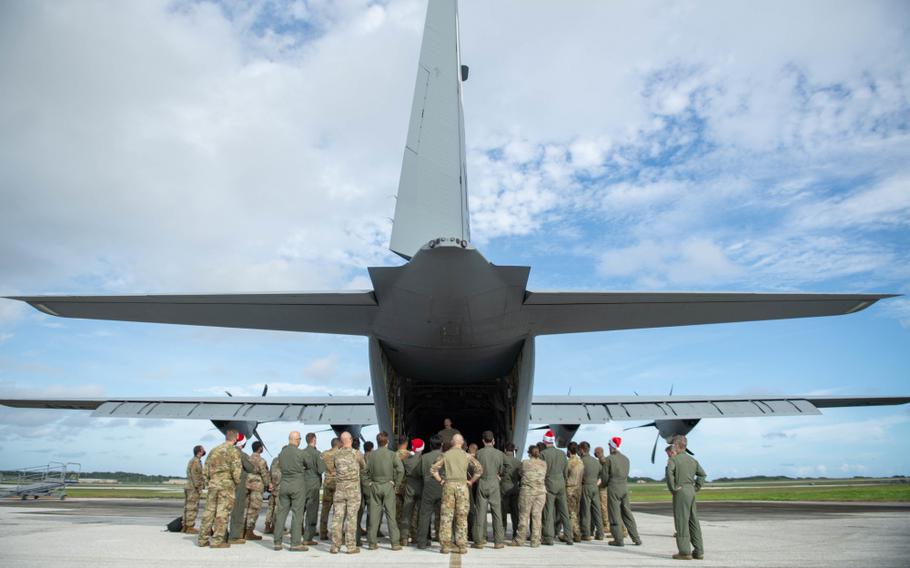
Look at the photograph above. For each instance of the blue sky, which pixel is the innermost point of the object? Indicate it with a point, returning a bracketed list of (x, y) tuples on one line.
[(239, 147)]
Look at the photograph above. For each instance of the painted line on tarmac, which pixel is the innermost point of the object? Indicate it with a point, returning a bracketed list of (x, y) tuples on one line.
[(454, 560)]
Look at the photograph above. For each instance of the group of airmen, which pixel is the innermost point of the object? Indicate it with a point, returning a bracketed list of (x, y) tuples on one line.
[(447, 490)]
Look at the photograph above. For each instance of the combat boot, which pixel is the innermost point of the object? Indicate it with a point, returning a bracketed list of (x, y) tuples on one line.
[(268, 528), (237, 541), (278, 546), (615, 543), (698, 555), (333, 550), (403, 541), (191, 530), (515, 543), (354, 550), (202, 544), (310, 542), (498, 545), (477, 545), (250, 535), (374, 546), (220, 545), (586, 538), (299, 548), (462, 550), (396, 547), (679, 556), (444, 549)]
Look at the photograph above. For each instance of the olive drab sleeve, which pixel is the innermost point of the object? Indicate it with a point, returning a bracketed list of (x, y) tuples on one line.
[(437, 465), (398, 467), (671, 476), (475, 466), (699, 476)]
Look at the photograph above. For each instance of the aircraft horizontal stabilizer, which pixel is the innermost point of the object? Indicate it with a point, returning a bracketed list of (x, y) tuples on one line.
[(600, 410), (349, 313), (573, 312)]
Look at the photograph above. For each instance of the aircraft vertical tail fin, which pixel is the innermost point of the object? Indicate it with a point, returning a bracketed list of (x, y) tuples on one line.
[(432, 191)]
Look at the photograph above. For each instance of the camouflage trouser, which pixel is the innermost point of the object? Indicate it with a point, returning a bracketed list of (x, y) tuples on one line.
[(345, 505), (273, 506), (218, 506), (590, 512), (190, 507), (530, 510), (253, 506), (328, 495), (455, 505), (573, 499)]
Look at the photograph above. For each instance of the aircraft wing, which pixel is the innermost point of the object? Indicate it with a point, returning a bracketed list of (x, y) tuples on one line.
[(306, 410), (349, 313), (572, 312), (600, 410)]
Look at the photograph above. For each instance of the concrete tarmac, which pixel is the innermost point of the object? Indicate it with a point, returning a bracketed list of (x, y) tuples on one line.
[(114, 532)]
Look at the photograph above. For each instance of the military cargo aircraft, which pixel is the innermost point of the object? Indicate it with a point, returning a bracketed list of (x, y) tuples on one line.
[(450, 334)]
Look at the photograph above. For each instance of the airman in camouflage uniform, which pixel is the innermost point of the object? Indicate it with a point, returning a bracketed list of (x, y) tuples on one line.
[(348, 466), (238, 514), (531, 498), (222, 475), (456, 494), (574, 474), (255, 484), (275, 477), (685, 478), (328, 488), (590, 501), (192, 491)]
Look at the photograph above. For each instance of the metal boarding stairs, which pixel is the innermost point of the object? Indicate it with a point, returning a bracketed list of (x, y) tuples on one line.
[(50, 479)]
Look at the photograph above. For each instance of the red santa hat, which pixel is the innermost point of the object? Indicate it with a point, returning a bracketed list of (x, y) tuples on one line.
[(549, 437), (615, 442), (241, 441), (417, 445)]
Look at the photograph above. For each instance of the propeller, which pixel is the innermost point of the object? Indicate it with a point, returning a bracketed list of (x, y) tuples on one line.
[(265, 391)]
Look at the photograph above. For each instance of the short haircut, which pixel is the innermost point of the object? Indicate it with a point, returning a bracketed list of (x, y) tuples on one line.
[(532, 447), (197, 449), (336, 442), (487, 436), (257, 445), (402, 440), (230, 435), (542, 446), (310, 437), (435, 442), (355, 442), (585, 447), (572, 448), (510, 447), (368, 446), (382, 439)]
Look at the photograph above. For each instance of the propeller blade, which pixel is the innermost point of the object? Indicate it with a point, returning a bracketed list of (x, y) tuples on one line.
[(368, 390), (265, 391), (671, 390), (654, 449), (258, 437), (539, 428), (228, 393), (654, 424), (690, 452)]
